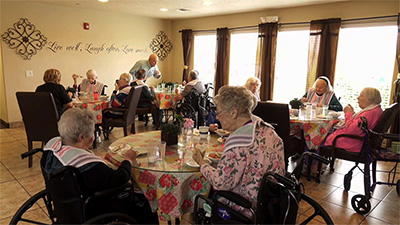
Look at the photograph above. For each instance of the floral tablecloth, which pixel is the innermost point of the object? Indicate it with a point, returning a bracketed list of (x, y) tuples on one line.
[(314, 131), (95, 106), (169, 185), (166, 100)]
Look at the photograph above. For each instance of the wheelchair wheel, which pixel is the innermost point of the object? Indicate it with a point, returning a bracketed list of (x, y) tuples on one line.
[(19, 215), (398, 187), (361, 204), (186, 111), (347, 181), (112, 218)]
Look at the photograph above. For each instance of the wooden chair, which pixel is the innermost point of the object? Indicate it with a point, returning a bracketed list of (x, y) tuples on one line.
[(40, 117), (129, 114), (277, 114)]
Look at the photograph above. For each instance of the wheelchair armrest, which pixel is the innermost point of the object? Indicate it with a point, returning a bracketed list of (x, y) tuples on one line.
[(231, 196), (390, 136), (352, 136), (107, 192)]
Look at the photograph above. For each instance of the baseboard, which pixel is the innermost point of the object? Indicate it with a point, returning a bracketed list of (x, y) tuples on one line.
[(4, 124), (17, 124)]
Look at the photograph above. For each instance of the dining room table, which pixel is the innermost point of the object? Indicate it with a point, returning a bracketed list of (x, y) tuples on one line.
[(312, 131), (96, 106), (166, 101), (170, 184)]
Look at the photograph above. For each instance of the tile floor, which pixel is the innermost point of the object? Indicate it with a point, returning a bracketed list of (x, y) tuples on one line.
[(18, 183)]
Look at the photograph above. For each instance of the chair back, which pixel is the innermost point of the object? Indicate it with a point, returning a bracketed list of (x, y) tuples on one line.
[(277, 113), (64, 190), (131, 104), (39, 114), (386, 120)]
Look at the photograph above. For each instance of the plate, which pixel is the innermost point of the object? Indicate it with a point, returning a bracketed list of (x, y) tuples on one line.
[(140, 151), (322, 117), (335, 114), (214, 156), (222, 132)]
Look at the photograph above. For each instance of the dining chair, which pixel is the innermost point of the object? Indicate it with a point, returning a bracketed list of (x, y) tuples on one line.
[(277, 114), (129, 114), (40, 117)]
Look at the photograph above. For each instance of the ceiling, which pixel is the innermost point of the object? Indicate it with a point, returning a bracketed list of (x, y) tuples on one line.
[(197, 8)]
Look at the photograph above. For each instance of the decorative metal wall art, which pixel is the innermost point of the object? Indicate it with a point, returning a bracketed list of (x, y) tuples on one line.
[(24, 38), (161, 45)]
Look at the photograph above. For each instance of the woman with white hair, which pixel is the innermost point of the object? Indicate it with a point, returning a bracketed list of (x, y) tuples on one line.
[(252, 148), (323, 94), (369, 101), (253, 84), (71, 148)]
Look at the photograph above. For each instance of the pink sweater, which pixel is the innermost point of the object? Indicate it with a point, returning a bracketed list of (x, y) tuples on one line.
[(353, 145)]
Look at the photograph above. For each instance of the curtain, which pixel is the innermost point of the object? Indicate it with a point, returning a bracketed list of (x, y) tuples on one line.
[(266, 57), (187, 40), (222, 59), (324, 36)]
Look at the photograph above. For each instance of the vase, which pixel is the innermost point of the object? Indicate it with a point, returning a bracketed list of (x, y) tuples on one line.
[(170, 139)]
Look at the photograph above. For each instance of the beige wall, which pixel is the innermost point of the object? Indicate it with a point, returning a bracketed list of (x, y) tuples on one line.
[(64, 25), (3, 105), (345, 10)]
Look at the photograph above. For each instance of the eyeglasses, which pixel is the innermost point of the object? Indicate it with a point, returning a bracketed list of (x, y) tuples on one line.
[(220, 113)]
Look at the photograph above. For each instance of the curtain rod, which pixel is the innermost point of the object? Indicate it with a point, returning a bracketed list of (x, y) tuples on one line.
[(299, 23)]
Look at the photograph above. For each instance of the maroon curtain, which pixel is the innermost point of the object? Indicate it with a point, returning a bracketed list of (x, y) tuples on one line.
[(266, 57), (222, 59), (398, 43), (324, 36), (187, 39)]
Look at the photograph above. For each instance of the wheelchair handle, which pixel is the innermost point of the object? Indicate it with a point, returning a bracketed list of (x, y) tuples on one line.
[(364, 124), (284, 180), (319, 158), (31, 152)]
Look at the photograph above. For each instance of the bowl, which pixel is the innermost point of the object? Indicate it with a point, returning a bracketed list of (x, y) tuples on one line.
[(214, 156), (335, 114)]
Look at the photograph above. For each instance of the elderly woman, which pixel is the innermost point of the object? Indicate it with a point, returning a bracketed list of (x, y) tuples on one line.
[(369, 101), (119, 95), (253, 84), (322, 94), (252, 148), (90, 84), (71, 148), (52, 79)]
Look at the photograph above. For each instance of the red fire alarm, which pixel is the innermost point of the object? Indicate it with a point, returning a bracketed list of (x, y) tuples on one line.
[(86, 26)]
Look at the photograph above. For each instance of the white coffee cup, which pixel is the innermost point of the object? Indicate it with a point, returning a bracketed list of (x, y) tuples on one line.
[(203, 131)]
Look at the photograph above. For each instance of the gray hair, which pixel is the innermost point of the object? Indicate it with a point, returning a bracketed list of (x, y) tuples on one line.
[(236, 97), (324, 78), (126, 76), (194, 74), (74, 122), (251, 80), (372, 95)]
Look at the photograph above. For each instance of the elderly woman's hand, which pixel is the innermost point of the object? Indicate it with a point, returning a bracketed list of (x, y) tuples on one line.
[(303, 99), (213, 127), (349, 109), (131, 155), (198, 157)]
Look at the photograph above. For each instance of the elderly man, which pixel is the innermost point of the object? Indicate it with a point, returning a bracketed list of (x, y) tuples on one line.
[(119, 96), (90, 84), (71, 148), (150, 66)]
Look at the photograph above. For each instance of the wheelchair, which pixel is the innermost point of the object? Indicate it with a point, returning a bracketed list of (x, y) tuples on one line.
[(277, 202), (371, 153), (65, 202)]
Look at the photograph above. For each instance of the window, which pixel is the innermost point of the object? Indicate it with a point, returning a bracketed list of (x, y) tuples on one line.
[(365, 59), (204, 57), (243, 54), (291, 65)]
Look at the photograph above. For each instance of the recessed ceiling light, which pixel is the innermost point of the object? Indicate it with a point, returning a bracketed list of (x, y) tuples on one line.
[(102, 0), (163, 9), (182, 10), (207, 3)]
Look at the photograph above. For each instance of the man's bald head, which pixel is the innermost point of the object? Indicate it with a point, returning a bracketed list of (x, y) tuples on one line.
[(153, 59)]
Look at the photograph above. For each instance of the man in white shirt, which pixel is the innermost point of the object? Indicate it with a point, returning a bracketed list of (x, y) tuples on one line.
[(150, 66)]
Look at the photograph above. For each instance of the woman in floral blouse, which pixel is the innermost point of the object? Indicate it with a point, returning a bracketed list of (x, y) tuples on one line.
[(252, 148)]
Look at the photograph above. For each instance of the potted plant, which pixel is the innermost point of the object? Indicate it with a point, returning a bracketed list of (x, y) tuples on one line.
[(169, 133), (296, 103)]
